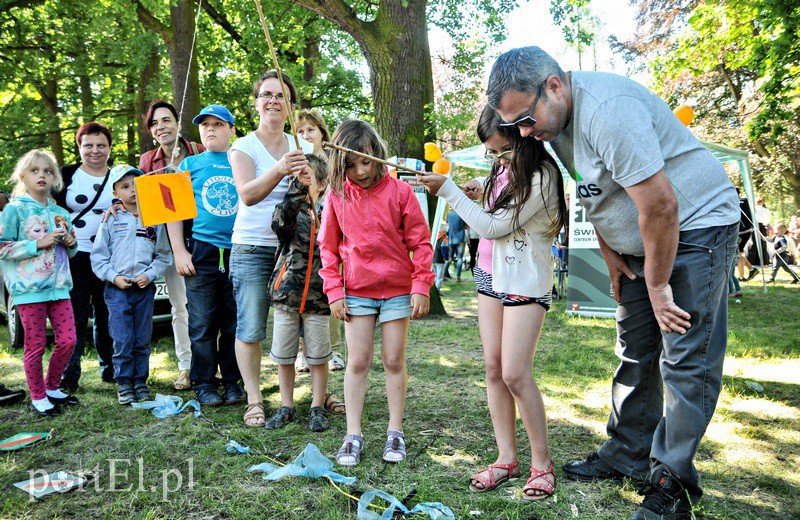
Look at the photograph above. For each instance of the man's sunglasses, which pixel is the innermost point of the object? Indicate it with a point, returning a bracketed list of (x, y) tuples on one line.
[(528, 120)]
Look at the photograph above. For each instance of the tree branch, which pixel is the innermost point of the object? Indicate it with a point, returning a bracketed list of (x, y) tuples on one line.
[(150, 21), (223, 22), (341, 14)]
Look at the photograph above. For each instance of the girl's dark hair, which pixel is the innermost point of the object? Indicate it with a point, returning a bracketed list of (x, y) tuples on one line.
[(286, 81), (354, 135), (528, 157), (149, 114)]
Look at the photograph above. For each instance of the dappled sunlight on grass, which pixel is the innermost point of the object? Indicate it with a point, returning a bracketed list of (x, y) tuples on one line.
[(775, 369)]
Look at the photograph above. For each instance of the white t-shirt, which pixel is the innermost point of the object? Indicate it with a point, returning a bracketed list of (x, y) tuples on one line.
[(80, 194), (253, 224)]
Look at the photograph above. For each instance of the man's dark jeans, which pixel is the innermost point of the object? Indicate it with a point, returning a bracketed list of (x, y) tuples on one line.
[(665, 389)]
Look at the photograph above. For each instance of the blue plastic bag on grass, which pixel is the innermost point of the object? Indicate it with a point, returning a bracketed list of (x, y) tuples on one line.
[(310, 463), (434, 510), (165, 405)]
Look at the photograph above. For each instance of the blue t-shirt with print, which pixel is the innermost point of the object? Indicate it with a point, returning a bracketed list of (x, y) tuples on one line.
[(216, 197)]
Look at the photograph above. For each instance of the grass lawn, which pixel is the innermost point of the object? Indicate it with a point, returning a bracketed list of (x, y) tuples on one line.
[(748, 460)]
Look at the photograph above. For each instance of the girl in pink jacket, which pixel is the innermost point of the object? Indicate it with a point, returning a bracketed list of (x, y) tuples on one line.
[(376, 265)]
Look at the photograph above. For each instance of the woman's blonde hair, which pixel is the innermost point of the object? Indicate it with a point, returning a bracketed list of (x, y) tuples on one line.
[(316, 119), (354, 135), (24, 164)]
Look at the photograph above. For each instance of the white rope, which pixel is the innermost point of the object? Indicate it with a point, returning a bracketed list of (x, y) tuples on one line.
[(176, 150)]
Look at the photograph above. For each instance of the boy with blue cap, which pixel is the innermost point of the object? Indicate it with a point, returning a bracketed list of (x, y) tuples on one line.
[(130, 257), (203, 258)]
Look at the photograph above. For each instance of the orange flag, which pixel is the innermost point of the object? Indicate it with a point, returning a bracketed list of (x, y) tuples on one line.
[(165, 198)]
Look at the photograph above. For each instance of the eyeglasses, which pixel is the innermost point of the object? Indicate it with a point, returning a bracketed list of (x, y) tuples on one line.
[(528, 120), (496, 157), (268, 95)]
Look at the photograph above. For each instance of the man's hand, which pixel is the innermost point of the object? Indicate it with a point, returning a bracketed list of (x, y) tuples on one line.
[(617, 267), (670, 317), (340, 311), (420, 304), (123, 282), (183, 262), (142, 281), (432, 181)]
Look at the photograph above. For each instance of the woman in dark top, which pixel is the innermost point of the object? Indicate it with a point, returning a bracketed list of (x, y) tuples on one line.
[(86, 195)]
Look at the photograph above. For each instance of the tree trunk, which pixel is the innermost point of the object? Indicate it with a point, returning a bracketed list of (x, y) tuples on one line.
[(399, 59), (87, 98), (49, 95), (143, 98), (185, 73), (311, 57)]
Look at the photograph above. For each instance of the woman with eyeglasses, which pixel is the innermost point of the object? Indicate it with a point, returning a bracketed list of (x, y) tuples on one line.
[(525, 209), (262, 162)]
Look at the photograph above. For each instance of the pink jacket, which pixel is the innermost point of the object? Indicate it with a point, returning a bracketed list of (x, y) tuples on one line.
[(372, 235)]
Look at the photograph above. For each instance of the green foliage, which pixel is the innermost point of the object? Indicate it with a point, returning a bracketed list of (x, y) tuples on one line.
[(61, 40), (738, 64)]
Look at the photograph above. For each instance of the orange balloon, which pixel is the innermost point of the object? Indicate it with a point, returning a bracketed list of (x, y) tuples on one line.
[(432, 152), (441, 166), (685, 114)]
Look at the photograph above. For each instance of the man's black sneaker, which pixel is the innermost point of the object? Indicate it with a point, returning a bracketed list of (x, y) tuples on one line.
[(665, 498), (8, 397), (591, 468), (751, 275)]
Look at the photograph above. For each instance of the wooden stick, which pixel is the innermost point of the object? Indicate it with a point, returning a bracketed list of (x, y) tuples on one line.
[(371, 157), (287, 100)]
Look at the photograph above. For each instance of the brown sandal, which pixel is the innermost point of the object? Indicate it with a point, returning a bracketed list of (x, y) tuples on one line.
[(543, 489), (183, 382), (512, 471), (333, 404), (254, 415)]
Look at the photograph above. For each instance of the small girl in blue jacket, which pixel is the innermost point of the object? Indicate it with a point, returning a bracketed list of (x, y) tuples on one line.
[(36, 245)]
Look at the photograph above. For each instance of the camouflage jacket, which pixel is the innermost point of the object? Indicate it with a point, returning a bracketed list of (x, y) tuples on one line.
[(296, 285)]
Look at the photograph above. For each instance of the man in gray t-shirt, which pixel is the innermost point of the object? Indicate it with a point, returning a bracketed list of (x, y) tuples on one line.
[(666, 217)]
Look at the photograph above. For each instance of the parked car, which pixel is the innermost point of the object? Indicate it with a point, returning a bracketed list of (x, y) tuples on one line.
[(162, 313)]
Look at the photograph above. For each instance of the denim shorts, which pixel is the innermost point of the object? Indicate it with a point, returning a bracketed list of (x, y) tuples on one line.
[(390, 309), (251, 269)]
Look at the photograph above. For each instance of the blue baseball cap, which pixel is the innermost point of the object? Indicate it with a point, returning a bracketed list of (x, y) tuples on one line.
[(216, 111)]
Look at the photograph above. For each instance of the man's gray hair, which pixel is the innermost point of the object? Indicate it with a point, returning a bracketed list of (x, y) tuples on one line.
[(523, 69)]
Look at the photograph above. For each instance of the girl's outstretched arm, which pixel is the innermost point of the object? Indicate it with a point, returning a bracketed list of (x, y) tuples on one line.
[(330, 237), (490, 225)]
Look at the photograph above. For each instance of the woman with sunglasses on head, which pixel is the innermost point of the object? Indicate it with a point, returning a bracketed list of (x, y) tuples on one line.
[(525, 209)]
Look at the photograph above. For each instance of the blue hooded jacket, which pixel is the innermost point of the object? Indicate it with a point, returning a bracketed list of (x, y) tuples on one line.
[(34, 275)]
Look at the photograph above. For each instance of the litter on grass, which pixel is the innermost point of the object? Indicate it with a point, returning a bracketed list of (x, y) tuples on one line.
[(23, 440), (58, 482), (235, 447), (165, 405), (311, 463)]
